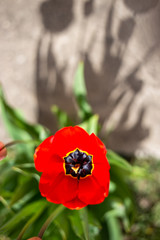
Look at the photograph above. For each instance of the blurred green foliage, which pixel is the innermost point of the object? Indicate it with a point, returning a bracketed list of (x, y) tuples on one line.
[(23, 210), (147, 194)]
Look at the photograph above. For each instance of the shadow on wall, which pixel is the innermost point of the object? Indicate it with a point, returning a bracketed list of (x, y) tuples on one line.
[(88, 8), (140, 6), (106, 82), (57, 15)]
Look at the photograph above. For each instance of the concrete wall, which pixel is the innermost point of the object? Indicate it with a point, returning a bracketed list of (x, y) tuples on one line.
[(119, 41)]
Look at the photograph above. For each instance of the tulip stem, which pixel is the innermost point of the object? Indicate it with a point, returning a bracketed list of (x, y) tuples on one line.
[(56, 212), (16, 142)]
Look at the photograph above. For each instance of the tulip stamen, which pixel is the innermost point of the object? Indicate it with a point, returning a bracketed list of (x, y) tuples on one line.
[(78, 164)]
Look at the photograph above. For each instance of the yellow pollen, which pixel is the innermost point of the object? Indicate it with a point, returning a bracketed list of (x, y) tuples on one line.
[(75, 169)]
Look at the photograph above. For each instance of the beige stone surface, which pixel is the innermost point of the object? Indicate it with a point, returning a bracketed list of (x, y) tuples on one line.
[(42, 42)]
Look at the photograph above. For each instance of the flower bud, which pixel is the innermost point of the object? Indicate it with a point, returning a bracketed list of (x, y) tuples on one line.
[(3, 151)]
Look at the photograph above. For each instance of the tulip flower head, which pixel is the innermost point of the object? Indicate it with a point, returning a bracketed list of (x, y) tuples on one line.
[(75, 170)]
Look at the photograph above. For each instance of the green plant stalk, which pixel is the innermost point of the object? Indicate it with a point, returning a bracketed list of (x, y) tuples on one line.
[(56, 212), (4, 202), (18, 142), (27, 225)]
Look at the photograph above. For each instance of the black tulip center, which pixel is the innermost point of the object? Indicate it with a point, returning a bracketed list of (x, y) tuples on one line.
[(78, 164)]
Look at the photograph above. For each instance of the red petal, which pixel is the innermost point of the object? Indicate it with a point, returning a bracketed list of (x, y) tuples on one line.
[(48, 177), (98, 143), (42, 155), (102, 176), (62, 189), (101, 165), (75, 204), (68, 139), (90, 191), (44, 184), (98, 150)]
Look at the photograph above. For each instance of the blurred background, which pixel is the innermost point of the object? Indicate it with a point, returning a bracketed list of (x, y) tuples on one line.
[(42, 43)]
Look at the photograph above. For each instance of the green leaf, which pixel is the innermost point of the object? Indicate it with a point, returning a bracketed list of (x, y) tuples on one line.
[(122, 195), (51, 218), (22, 201), (18, 128), (25, 165), (80, 92), (117, 161), (23, 192), (113, 228), (5, 203), (26, 212), (94, 226), (31, 221), (140, 173), (91, 125), (84, 219), (120, 210), (66, 228), (62, 117), (76, 224), (25, 173)]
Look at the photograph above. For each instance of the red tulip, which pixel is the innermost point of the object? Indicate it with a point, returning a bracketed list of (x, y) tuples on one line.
[(3, 151), (75, 168)]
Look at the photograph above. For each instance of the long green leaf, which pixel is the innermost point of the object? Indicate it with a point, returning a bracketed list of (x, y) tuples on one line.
[(55, 213), (76, 224), (27, 211), (115, 160), (31, 221), (23, 188), (94, 226), (84, 219), (91, 125), (113, 228), (80, 92), (17, 127)]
